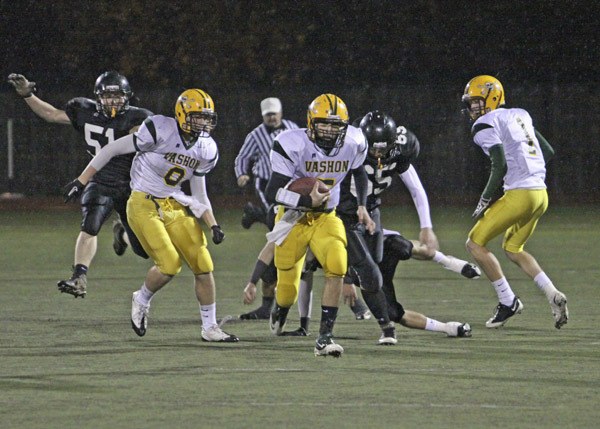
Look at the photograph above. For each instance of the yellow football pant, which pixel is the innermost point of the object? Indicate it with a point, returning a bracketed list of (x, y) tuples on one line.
[(324, 233), (166, 230), (516, 214)]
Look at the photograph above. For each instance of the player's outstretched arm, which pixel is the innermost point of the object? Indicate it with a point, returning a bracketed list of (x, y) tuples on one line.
[(119, 147), (44, 110)]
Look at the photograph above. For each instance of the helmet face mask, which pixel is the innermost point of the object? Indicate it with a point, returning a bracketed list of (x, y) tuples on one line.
[(195, 114), (482, 95), (200, 124), (380, 149), (381, 133), (329, 134), (112, 93), (113, 102), (327, 123)]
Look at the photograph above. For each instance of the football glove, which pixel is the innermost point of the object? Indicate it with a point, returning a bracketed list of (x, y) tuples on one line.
[(23, 87), (217, 234), (481, 206), (73, 190)]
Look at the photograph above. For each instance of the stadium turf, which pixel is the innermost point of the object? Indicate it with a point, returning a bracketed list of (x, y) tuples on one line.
[(69, 362)]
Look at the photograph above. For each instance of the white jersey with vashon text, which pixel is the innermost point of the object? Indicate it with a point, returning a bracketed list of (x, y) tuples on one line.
[(301, 158), (513, 129), (163, 160)]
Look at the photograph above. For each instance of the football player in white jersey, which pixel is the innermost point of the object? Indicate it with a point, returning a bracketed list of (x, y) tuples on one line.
[(168, 152), (328, 149), (518, 154)]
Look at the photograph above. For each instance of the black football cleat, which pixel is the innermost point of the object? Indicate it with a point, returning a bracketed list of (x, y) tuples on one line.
[(300, 332), (75, 286), (503, 313), (261, 313)]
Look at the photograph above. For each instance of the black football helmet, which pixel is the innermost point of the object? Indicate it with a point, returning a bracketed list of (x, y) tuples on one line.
[(112, 92), (380, 131)]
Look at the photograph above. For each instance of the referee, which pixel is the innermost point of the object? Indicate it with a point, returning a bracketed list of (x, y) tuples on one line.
[(254, 155)]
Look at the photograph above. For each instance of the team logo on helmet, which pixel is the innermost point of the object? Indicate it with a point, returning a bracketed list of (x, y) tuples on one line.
[(327, 121), (381, 133), (482, 95), (195, 113), (112, 91)]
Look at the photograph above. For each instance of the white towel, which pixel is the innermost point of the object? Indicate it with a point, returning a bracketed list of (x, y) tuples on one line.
[(284, 226), (185, 200)]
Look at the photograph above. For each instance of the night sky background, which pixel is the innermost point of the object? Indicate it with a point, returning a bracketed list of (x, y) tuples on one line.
[(412, 57), (288, 43)]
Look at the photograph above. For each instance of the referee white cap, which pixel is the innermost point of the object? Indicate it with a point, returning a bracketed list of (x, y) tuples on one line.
[(270, 105)]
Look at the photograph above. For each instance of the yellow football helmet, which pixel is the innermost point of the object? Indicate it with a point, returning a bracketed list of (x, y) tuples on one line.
[(327, 121), (195, 113), (482, 95)]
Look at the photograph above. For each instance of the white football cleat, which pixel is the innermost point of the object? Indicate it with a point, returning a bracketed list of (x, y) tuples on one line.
[(464, 268), (388, 335), (558, 304), (139, 315), (326, 347), (215, 334), (457, 329)]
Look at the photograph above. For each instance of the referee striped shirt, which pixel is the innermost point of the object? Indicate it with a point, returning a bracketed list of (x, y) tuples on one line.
[(256, 150)]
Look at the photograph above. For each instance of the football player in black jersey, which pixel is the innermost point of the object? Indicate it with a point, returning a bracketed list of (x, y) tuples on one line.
[(99, 121), (392, 150)]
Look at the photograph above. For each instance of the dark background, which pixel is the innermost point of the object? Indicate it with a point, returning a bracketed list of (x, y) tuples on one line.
[(410, 58)]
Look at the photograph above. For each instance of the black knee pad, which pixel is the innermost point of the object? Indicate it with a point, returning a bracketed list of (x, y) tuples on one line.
[(398, 246), (395, 311), (96, 206)]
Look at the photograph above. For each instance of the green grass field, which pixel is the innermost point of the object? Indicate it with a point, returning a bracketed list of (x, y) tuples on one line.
[(69, 363)]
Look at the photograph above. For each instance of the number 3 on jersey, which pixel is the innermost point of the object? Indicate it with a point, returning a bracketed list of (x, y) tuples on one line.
[(97, 136)]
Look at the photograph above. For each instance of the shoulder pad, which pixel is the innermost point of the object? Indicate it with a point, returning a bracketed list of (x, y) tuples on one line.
[(408, 143), (81, 103), (140, 112), (478, 127)]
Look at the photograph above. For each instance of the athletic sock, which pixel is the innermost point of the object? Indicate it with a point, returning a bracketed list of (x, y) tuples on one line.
[(282, 312), (544, 283), (505, 294), (267, 302), (328, 316), (434, 325), (304, 321), (208, 314), (440, 258), (80, 270), (449, 262), (144, 296)]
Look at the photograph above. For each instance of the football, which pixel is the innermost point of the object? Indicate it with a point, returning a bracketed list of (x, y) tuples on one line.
[(304, 185)]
